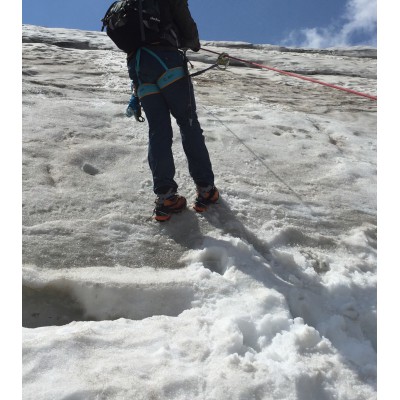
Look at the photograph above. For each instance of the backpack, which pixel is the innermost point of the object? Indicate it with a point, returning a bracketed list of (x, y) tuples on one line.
[(134, 23)]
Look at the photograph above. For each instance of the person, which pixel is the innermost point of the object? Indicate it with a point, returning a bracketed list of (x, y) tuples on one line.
[(161, 85)]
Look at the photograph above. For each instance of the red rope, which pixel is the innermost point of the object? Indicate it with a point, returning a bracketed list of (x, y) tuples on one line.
[(296, 75)]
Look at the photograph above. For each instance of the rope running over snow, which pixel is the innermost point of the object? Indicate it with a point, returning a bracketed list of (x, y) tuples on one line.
[(305, 78)]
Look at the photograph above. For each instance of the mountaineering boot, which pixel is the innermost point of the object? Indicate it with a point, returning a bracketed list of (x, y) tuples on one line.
[(167, 204), (205, 196)]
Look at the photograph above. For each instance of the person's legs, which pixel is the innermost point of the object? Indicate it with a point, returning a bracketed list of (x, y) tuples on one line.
[(180, 99), (157, 112), (160, 155)]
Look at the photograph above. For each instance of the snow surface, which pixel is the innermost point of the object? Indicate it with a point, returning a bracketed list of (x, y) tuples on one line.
[(269, 295)]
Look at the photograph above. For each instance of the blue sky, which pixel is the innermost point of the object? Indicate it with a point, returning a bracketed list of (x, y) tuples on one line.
[(312, 23)]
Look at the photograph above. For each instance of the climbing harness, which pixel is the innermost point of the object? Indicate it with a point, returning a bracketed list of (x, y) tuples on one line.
[(305, 78), (170, 75)]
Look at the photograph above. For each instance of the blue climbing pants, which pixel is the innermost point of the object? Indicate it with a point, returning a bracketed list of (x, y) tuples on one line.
[(164, 89)]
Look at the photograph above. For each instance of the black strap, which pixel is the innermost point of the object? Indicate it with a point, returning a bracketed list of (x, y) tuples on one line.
[(204, 70)]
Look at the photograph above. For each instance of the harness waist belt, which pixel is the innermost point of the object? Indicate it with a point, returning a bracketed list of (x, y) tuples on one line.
[(170, 76), (167, 78)]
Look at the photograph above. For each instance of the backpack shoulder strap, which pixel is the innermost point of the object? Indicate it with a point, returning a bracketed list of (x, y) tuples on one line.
[(140, 10)]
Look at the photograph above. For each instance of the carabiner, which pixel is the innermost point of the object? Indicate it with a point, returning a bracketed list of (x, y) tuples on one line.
[(223, 61)]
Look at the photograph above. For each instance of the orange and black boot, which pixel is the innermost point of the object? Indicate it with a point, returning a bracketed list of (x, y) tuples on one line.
[(168, 204), (205, 196)]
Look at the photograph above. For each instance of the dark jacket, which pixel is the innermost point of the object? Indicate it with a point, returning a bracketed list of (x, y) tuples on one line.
[(183, 21), (177, 29)]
